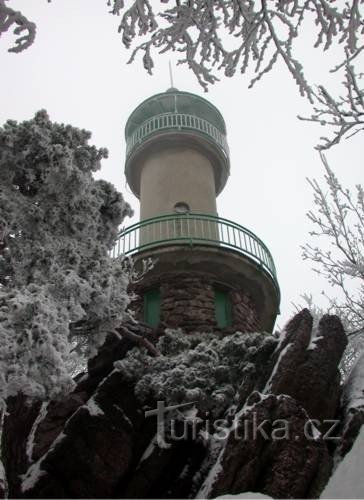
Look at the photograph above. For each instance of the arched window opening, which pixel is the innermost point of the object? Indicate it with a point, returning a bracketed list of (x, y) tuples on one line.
[(182, 208)]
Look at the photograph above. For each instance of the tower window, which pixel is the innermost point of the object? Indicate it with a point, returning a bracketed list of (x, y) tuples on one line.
[(182, 208), (152, 307), (223, 308)]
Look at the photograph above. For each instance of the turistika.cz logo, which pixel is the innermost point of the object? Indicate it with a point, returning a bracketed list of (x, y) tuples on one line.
[(186, 427)]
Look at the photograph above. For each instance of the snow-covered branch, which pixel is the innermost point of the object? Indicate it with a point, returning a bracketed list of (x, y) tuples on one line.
[(246, 36), (22, 27), (338, 219), (238, 34), (345, 115), (58, 226), (251, 37)]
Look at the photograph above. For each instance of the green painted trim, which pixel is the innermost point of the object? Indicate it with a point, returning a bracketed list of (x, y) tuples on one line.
[(168, 93), (223, 308), (228, 235), (152, 307), (171, 122)]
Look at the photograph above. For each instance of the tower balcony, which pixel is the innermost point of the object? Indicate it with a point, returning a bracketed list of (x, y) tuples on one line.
[(175, 119), (205, 244), (172, 122)]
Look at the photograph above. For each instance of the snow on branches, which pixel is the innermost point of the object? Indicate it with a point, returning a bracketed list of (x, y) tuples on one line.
[(339, 218), (248, 36), (57, 227), (345, 115), (22, 26), (199, 368), (262, 32)]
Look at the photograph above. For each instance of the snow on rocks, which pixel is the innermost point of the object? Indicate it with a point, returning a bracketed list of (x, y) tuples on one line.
[(35, 471), (293, 456), (353, 393), (352, 409), (31, 438), (347, 480), (306, 365), (3, 481), (249, 495), (93, 408)]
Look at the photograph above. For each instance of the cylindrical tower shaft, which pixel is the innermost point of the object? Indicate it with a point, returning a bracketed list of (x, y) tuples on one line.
[(176, 178)]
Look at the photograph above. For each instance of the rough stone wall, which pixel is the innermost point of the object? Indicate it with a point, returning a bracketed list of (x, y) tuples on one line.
[(245, 317), (188, 302)]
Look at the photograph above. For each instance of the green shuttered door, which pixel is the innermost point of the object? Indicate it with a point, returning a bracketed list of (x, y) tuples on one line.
[(223, 308), (152, 307)]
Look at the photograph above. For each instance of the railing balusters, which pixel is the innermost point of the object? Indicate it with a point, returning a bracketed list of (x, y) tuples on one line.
[(164, 230), (175, 120)]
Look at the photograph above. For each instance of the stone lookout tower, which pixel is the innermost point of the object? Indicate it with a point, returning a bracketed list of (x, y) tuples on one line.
[(210, 272)]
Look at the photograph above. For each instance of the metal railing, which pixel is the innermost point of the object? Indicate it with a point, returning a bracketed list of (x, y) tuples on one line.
[(179, 121), (190, 229)]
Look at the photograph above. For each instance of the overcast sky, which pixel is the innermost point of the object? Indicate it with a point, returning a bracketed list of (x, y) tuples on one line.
[(77, 71)]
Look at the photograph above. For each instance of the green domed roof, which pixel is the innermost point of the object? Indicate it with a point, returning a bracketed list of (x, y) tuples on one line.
[(174, 101)]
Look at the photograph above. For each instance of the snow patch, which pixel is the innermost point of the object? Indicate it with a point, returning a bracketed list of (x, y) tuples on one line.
[(30, 441), (185, 472), (314, 338), (313, 343), (2, 472), (211, 477), (93, 408), (190, 414), (268, 385), (353, 393), (32, 476), (151, 447), (247, 494), (35, 472), (125, 417), (282, 338), (3, 480), (347, 480)]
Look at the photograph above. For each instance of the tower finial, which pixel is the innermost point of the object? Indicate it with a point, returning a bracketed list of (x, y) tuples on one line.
[(171, 74)]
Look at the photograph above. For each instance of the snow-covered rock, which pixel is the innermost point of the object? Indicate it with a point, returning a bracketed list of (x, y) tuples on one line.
[(347, 480)]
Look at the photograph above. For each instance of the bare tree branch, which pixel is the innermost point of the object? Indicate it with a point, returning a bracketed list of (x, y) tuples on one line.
[(127, 332)]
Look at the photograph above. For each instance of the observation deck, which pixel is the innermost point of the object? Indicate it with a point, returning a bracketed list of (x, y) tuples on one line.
[(207, 243), (192, 229), (176, 118)]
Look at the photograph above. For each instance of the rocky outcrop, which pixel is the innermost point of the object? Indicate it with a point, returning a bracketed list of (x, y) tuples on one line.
[(271, 449), (100, 443), (95, 449), (305, 364)]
